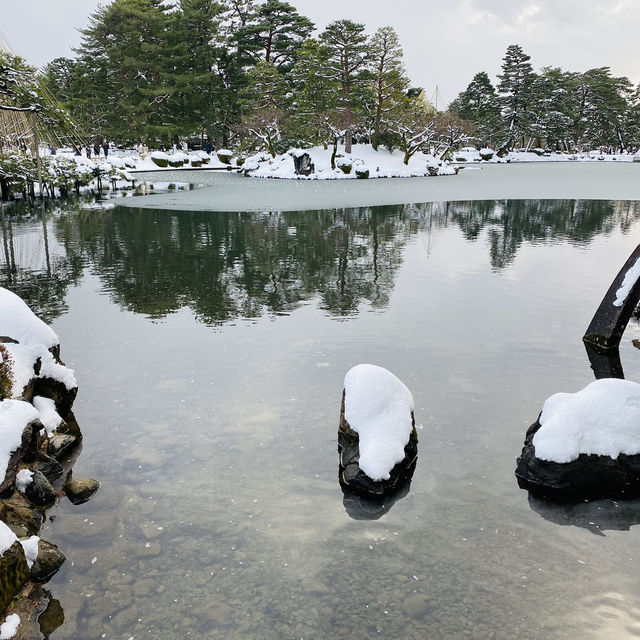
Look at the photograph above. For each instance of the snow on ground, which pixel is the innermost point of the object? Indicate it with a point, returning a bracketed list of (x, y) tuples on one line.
[(378, 408), (380, 164), (472, 155), (15, 415), (34, 340), (601, 419), (9, 627), (630, 278), (49, 417)]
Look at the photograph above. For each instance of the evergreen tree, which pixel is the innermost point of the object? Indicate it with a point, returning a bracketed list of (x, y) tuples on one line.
[(479, 104), (388, 77), (514, 87), (346, 62), (274, 34)]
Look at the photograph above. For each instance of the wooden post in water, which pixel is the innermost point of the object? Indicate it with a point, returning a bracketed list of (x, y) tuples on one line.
[(610, 320)]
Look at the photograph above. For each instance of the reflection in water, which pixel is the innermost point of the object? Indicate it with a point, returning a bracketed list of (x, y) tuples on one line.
[(605, 364), (244, 265), (596, 516), (361, 508)]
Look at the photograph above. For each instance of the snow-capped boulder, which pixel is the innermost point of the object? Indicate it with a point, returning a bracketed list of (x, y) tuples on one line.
[(14, 571), (377, 439), (585, 444), (224, 155)]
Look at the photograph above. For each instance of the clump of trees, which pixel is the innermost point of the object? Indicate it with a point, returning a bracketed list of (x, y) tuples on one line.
[(239, 73), (554, 109)]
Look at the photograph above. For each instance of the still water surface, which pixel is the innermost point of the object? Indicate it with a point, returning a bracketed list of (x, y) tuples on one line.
[(210, 350)]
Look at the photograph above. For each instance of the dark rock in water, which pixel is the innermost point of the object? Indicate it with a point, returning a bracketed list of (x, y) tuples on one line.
[(14, 572), (359, 507), (354, 480), (51, 618), (39, 490), (61, 444), (587, 478), (303, 165), (80, 490), (51, 468), (49, 560)]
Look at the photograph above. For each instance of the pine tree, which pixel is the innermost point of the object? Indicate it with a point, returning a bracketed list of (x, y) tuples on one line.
[(479, 104), (514, 87), (347, 59), (388, 77), (274, 34)]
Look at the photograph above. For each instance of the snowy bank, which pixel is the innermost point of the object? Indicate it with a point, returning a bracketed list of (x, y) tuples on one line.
[(362, 162), (586, 444), (377, 436), (37, 432), (470, 155)]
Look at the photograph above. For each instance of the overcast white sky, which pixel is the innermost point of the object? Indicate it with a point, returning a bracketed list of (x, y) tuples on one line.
[(445, 41)]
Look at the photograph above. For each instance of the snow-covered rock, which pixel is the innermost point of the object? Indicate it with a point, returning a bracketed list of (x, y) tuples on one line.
[(377, 436), (585, 444)]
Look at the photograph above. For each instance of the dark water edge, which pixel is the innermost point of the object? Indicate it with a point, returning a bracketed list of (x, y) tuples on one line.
[(210, 350)]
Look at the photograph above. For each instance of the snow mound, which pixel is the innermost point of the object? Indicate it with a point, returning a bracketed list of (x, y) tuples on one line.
[(378, 408), (15, 415), (7, 537), (35, 338), (601, 419)]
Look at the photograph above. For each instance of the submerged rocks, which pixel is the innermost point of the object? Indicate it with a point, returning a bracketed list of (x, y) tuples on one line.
[(377, 439), (585, 445)]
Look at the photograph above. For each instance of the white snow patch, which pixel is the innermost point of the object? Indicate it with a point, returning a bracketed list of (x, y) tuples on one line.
[(9, 627), (24, 479), (30, 546), (48, 415), (378, 408), (601, 419), (630, 278), (34, 340), (7, 537), (15, 415)]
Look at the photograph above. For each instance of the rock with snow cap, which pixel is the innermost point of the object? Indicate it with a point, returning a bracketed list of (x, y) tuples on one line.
[(378, 442), (585, 445)]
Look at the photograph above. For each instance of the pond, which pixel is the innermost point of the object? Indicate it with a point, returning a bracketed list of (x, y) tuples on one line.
[(210, 350)]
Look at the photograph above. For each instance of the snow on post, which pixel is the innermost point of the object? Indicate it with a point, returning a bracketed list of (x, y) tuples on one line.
[(611, 318), (377, 434), (585, 444)]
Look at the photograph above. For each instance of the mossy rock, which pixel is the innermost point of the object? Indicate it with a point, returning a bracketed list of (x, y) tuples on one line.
[(14, 572), (176, 163), (160, 162), (362, 174), (224, 157)]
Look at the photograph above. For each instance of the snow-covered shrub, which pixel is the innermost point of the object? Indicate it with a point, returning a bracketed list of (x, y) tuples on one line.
[(196, 162), (160, 159), (224, 155), (486, 153), (362, 172), (344, 163)]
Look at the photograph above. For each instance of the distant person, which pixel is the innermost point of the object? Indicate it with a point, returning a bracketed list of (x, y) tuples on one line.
[(77, 150), (162, 147), (96, 149), (208, 148), (141, 150), (105, 148), (88, 150), (185, 146)]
